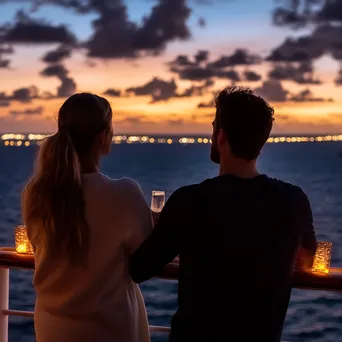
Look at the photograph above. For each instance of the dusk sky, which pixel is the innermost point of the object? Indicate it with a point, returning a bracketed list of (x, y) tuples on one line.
[(160, 73)]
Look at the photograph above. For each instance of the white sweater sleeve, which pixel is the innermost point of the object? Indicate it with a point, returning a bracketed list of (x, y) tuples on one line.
[(141, 221)]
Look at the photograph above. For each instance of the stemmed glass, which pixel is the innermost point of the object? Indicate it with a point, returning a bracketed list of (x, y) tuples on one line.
[(157, 201)]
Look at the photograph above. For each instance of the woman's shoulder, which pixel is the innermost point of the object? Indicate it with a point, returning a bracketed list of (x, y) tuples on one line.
[(124, 182), (127, 185)]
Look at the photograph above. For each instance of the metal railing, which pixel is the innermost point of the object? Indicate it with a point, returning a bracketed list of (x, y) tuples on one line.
[(10, 259)]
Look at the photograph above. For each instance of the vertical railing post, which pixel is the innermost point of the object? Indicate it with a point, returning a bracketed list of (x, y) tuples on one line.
[(4, 299)]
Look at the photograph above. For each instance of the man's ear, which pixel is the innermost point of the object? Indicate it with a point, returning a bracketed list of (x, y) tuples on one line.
[(221, 138)]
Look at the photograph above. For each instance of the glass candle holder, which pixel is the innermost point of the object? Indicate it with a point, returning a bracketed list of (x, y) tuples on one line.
[(322, 258), (22, 243)]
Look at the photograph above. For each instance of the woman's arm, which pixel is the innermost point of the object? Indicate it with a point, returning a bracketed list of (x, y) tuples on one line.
[(140, 220)]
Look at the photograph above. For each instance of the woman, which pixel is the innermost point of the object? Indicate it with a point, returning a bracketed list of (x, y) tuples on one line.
[(83, 226)]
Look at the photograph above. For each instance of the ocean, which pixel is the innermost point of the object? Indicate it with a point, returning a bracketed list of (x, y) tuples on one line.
[(313, 316)]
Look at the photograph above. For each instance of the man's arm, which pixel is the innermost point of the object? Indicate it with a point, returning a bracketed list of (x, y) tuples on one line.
[(163, 244), (155, 217), (308, 245)]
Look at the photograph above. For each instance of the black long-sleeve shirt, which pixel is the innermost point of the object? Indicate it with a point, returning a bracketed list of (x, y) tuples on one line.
[(237, 241)]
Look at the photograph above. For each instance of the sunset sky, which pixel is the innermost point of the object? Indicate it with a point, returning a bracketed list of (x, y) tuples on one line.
[(160, 74)]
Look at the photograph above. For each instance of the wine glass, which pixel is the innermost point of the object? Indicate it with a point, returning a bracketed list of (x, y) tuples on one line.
[(158, 200)]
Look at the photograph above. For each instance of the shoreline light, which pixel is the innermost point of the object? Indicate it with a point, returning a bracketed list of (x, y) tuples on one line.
[(22, 140)]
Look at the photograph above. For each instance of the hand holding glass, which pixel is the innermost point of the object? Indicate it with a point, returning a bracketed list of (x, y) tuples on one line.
[(157, 201)]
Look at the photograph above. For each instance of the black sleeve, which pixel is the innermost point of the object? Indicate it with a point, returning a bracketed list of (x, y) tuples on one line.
[(163, 244), (309, 241)]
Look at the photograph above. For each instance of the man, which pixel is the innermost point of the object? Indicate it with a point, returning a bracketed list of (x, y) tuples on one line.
[(238, 236)]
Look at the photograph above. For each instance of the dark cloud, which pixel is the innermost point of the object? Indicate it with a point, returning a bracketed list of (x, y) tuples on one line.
[(4, 102), (251, 76), (6, 49), (180, 61), (272, 90), (209, 104), (331, 11), (27, 112), (112, 92), (201, 22), (57, 70), (183, 60), (31, 31), (158, 89), (46, 95), (161, 90), (175, 122), (194, 73), (330, 36), (307, 96), (197, 73), (338, 80), (136, 120), (299, 49), (201, 56), (25, 94), (57, 55), (228, 74), (239, 57), (4, 63), (166, 22), (324, 17), (284, 17), (67, 87), (116, 36), (196, 90), (299, 13), (200, 68), (301, 73)]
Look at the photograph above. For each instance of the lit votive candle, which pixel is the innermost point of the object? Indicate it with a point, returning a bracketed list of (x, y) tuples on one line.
[(322, 258), (22, 243)]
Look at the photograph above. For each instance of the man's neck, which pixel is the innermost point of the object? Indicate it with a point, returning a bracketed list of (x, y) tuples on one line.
[(239, 168)]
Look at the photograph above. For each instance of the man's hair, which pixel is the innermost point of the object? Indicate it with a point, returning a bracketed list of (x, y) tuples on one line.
[(246, 118)]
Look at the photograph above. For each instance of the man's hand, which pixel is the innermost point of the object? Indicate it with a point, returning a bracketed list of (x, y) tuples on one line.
[(155, 216), (304, 260)]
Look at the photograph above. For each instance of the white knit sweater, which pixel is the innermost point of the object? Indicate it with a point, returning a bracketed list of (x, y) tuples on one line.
[(100, 302)]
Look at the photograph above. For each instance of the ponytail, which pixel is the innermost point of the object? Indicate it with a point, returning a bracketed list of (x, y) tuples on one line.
[(52, 202)]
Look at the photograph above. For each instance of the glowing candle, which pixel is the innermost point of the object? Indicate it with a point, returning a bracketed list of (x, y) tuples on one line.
[(22, 243), (322, 258)]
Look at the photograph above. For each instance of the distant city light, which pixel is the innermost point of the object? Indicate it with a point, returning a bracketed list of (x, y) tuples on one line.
[(25, 140)]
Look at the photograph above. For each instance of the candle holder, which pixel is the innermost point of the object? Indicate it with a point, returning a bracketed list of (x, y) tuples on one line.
[(322, 258), (22, 243)]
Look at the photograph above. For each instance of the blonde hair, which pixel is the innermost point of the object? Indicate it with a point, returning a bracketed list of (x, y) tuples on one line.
[(53, 207)]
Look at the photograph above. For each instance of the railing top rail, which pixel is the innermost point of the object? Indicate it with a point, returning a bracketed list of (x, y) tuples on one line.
[(314, 281), (9, 258)]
